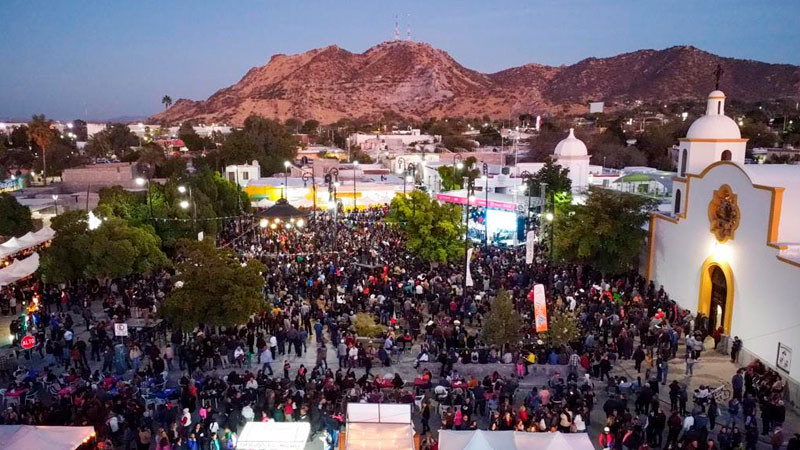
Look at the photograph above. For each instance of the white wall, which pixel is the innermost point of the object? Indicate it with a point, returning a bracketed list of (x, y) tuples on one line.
[(766, 308)]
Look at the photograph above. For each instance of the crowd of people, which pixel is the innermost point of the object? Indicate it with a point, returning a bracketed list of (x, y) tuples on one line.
[(165, 389)]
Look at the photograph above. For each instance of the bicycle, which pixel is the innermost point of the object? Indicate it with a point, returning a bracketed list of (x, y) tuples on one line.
[(721, 394)]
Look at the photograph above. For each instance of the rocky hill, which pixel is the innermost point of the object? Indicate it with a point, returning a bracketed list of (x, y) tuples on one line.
[(416, 80)]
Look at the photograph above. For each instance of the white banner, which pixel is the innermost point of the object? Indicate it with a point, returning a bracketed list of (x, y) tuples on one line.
[(469, 282), (529, 238)]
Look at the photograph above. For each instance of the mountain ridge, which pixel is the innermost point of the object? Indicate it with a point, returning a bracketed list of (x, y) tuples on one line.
[(417, 80)]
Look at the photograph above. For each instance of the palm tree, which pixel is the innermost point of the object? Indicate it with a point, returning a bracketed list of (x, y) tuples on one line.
[(167, 101), (40, 131)]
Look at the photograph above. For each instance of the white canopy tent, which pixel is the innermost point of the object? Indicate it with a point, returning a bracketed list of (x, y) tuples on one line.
[(274, 436), (19, 269), (22, 243), (26, 437), (511, 440), (379, 426)]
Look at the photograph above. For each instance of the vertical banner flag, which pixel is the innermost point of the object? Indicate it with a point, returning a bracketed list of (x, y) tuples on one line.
[(539, 308), (469, 282), (529, 238)]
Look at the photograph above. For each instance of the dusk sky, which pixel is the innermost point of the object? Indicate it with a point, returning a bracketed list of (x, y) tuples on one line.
[(105, 59)]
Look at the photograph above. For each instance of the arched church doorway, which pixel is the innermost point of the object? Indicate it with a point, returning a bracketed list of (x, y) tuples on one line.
[(716, 294), (719, 294)]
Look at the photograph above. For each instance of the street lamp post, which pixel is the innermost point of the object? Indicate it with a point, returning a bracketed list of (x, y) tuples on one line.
[(332, 179), (305, 177), (286, 165), (486, 205), (55, 202), (470, 190), (355, 201), (525, 175), (141, 182), (185, 205), (457, 165)]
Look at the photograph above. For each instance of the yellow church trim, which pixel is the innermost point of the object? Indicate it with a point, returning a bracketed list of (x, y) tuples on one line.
[(711, 140), (704, 300), (772, 227)]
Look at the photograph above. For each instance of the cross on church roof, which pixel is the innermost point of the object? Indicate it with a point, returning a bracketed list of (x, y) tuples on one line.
[(717, 75)]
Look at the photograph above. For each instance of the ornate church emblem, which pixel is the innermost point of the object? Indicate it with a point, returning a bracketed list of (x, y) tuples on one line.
[(723, 213)]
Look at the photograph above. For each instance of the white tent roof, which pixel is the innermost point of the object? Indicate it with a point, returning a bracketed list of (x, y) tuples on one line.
[(19, 269), (274, 436), (29, 240), (25, 437), (379, 436), (510, 440), (378, 413)]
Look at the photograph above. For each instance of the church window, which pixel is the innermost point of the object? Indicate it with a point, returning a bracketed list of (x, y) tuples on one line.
[(677, 201), (726, 155), (683, 162)]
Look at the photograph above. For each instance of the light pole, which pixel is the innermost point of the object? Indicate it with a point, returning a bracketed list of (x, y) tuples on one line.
[(331, 178), (185, 205), (305, 177), (457, 166), (286, 165), (485, 178), (470, 191), (55, 202), (527, 185), (355, 202), (141, 182)]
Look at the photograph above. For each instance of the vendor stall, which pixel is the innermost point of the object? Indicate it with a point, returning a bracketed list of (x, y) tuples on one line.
[(274, 436), (25, 437)]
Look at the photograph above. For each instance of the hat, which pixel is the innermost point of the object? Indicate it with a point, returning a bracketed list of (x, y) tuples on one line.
[(606, 429)]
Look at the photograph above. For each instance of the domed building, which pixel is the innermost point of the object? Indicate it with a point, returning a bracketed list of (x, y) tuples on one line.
[(730, 248), (571, 153)]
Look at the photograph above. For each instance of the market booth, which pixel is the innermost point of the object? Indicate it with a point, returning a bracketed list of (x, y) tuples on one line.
[(378, 426), (27, 437), (512, 440), (274, 436)]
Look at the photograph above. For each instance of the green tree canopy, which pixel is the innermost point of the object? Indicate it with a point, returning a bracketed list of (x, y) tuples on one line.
[(215, 289), (434, 231), (562, 327), (68, 254), (266, 140), (559, 186), (15, 219), (118, 249), (503, 323), (115, 140), (605, 232)]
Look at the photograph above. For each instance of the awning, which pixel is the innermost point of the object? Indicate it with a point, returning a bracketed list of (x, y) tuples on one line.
[(26, 437), (29, 240), (379, 426), (512, 440), (274, 436), (281, 210), (19, 269)]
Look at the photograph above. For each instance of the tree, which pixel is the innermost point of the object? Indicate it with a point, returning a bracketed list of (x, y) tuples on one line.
[(658, 138), (310, 127), (559, 186), (60, 155), (605, 232), (503, 323), (15, 219), (266, 140), (40, 131), (213, 287), (115, 140), (122, 204), (166, 101), (118, 249), (190, 137), (618, 156), (364, 325), (434, 231), (68, 254), (562, 327), (758, 134)]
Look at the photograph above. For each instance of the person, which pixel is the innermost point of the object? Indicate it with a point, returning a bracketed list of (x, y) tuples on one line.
[(737, 383), (425, 412), (794, 442), (776, 438), (690, 362), (713, 412), (736, 347), (638, 357), (266, 360), (606, 439)]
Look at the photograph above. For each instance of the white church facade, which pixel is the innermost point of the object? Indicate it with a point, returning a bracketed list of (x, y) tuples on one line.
[(731, 247)]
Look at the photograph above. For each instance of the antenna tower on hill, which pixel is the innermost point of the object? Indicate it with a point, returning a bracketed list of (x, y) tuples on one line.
[(396, 28), (408, 27)]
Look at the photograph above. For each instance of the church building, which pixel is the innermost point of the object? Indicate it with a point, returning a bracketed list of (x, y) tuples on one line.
[(730, 248)]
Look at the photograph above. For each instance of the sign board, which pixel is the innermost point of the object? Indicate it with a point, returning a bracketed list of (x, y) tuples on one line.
[(28, 342), (596, 107), (784, 359), (539, 308), (529, 246), (200, 236), (120, 329)]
